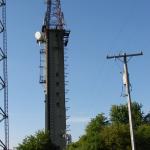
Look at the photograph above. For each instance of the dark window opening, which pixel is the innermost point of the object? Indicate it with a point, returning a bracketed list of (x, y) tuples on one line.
[(57, 93), (57, 83), (57, 74), (58, 104)]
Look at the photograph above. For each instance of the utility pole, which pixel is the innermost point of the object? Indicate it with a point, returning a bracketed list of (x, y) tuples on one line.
[(124, 59)]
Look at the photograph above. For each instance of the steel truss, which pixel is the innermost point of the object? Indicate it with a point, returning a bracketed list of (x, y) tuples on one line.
[(54, 17), (4, 77)]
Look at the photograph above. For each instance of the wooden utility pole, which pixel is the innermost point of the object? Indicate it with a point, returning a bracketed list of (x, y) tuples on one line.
[(124, 58)]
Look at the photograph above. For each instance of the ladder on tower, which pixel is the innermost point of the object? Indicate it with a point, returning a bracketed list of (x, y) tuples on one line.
[(42, 67)]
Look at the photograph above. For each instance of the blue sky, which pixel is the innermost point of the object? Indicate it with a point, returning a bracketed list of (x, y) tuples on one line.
[(98, 28)]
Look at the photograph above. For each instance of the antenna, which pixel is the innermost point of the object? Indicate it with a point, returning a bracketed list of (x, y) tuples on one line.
[(54, 18), (4, 77)]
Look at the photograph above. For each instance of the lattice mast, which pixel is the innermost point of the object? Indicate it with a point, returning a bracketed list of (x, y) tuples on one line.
[(4, 77), (54, 18)]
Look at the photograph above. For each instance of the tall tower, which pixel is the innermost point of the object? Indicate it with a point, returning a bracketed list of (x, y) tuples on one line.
[(4, 142), (54, 38)]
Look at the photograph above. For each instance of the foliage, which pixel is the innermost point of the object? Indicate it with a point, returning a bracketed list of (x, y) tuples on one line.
[(143, 137), (96, 124), (147, 118), (90, 141), (39, 141), (114, 134), (119, 114)]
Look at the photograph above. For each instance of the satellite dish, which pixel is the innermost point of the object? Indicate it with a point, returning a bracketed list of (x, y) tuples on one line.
[(38, 36)]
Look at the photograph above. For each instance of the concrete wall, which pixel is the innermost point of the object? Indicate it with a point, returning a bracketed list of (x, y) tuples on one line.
[(55, 105)]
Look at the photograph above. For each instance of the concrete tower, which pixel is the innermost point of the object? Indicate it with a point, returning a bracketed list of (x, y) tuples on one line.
[(54, 37)]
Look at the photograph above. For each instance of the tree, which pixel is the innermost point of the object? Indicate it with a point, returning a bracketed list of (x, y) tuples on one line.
[(39, 141), (147, 119), (116, 137), (96, 124), (90, 141), (143, 137), (114, 134), (119, 114)]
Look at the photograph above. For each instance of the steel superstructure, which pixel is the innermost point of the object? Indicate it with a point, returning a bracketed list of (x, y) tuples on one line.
[(54, 17), (4, 143)]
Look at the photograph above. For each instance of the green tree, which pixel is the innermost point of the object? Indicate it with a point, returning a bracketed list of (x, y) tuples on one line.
[(143, 137), (116, 137), (91, 140), (119, 114), (147, 118), (96, 124), (102, 134), (39, 141)]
